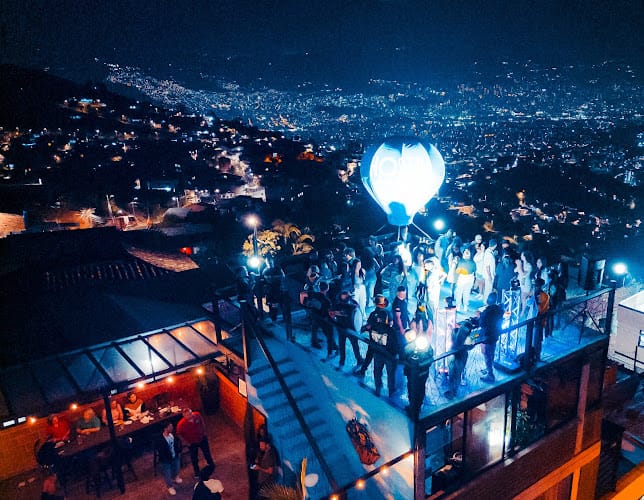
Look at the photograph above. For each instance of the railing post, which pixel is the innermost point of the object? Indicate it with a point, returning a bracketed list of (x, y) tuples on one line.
[(116, 464), (529, 350), (217, 316), (419, 461), (243, 304), (608, 327)]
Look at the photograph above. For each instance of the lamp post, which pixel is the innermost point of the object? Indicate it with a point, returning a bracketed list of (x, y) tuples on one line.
[(620, 271), (253, 221)]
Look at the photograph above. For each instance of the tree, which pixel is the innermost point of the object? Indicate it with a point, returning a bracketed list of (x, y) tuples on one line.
[(88, 217)]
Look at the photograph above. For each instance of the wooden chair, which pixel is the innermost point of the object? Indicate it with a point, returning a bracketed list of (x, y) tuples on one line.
[(96, 468)]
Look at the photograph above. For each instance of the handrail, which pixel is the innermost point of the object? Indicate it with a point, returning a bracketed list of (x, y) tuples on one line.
[(371, 473), (296, 411), (568, 305)]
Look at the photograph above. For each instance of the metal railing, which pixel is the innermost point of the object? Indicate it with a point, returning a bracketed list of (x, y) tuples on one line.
[(289, 396)]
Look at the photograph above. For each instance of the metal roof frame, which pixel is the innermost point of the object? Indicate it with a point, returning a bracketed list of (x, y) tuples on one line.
[(83, 375)]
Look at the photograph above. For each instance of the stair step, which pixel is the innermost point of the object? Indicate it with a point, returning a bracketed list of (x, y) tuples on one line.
[(315, 423), (295, 441), (256, 369), (264, 378), (277, 402), (298, 390), (309, 408), (324, 436)]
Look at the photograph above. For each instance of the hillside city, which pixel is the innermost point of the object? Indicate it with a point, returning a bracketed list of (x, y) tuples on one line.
[(561, 147)]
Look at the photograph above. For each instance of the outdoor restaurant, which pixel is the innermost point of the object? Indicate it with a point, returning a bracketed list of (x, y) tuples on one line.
[(72, 351)]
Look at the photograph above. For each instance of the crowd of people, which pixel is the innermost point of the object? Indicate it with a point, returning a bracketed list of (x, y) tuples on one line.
[(345, 291)]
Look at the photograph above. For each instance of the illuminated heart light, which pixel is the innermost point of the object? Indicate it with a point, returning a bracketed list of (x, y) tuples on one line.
[(402, 175)]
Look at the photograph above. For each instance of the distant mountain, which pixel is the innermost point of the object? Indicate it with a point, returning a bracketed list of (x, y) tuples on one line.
[(29, 97)]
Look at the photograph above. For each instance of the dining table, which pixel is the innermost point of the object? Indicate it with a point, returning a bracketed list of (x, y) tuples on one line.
[(140, 428)]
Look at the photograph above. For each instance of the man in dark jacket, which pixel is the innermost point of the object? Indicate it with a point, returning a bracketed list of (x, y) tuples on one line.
[(343, 314), (319, 306), (168, 448), (385, 344), (491, 324)]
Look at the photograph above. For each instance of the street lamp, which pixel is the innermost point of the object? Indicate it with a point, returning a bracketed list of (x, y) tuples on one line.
[(620, 271), (254, 261), (253, 221)]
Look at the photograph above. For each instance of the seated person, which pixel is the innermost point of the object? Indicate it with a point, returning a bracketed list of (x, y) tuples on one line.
[(117, 413), (89, 423), (57, 428), (134, 406)]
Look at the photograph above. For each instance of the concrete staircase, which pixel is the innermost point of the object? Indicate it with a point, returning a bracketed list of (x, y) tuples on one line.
[(308, 390)]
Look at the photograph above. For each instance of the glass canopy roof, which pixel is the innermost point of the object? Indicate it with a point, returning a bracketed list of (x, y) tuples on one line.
[(50, 384)]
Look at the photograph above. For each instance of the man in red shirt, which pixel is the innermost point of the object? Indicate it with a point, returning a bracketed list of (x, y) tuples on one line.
[(192, 431)]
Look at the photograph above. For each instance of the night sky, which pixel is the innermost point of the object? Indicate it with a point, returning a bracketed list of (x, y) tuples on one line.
[(322, 39)]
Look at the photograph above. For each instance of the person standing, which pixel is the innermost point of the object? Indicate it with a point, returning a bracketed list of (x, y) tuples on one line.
[(464, 272), (491, 324), (504, 275), (384, 343), (458, 361), (343, 314), (371, 268), (319, 306), (400, 310), (489, 269), (244, 286), (479, 279), (434, 281), (440, 248), (393, 275), (192, 429), (454, 254), (168, 448), (542, 300), (264, 465), (285, 306), (524, 269)]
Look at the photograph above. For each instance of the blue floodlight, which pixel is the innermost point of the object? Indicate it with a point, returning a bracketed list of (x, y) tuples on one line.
[(439, 224), (254, 261), (620, 269), (422, 343)]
